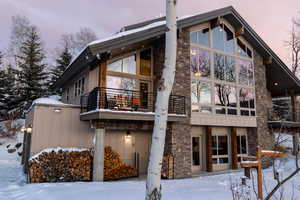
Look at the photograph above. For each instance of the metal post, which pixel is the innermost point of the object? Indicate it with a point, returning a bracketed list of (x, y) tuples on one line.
[(259, 174)]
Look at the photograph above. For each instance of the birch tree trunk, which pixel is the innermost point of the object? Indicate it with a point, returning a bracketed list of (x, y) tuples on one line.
[(153, 185)]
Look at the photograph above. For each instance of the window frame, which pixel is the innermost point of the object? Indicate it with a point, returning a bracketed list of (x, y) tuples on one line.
[(212, 79), (137, 77), (240, 134)]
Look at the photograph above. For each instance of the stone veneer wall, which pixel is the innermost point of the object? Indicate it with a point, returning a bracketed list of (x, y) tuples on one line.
[(178, 138), (261, 135)]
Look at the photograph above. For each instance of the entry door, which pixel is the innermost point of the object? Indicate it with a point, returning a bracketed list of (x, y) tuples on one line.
[(197, 153)]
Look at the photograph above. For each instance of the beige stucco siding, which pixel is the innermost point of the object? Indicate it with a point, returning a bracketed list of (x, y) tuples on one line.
[(59, 129), (138, 143), (93, 79)]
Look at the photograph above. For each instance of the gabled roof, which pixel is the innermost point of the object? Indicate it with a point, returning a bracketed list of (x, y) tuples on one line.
[(277, 71)]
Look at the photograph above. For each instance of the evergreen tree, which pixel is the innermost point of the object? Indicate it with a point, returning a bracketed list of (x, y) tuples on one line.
[(2, 89), (32, 75), (62, 62)]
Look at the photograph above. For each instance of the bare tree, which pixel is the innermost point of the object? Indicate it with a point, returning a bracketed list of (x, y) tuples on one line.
[(294, 44), (83, 37), (20, 27), (153, 185)]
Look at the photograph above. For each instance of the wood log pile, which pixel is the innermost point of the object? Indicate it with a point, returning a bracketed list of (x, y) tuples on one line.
[(61, 166), (70, 166), (167, 170), (114, 168)]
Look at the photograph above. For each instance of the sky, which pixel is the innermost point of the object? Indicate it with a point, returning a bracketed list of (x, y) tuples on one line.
[(271, 19)]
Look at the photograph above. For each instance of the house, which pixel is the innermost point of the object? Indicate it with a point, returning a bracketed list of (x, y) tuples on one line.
[(226, 77)]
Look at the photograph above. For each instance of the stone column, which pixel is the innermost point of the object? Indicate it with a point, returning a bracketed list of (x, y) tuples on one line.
[(98, 163)]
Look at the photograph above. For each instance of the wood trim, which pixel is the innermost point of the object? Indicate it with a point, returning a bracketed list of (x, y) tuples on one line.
[(234, 153), (209, 164), (102, 82)]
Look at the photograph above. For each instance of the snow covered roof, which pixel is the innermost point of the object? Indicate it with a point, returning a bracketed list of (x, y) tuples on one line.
[(155, 28)]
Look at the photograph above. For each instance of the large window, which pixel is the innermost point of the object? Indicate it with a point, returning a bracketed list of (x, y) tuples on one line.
[(223, 38), (200, 62), (222, 72), (224, 67), (125, 65), (201, 37), (121, 83), (201, 96)]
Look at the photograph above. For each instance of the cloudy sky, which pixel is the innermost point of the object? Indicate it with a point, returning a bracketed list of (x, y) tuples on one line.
[(271, 19)]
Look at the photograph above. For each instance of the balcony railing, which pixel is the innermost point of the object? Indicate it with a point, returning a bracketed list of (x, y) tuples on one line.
[(283, 114), (128, 100)]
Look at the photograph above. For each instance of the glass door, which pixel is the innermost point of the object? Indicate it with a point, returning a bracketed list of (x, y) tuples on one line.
[(144, 94)]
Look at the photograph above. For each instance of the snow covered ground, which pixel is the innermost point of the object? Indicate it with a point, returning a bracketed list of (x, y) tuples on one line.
[(13, 186)]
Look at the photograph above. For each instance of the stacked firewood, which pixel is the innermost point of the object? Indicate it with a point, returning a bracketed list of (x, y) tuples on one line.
[(167, 171), (114, 168), (61, 166)]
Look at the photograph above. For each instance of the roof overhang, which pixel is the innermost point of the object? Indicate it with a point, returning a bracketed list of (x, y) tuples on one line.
[(276, 72)]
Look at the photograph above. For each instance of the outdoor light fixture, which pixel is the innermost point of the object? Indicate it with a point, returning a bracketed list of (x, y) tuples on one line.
[(198, 74), (128, 136), (57, 110), (27, 130), (276, 83)]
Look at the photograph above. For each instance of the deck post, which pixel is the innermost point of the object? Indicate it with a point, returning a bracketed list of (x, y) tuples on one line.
[(209, 164), (294, 119), (234, 153), (98, 162)]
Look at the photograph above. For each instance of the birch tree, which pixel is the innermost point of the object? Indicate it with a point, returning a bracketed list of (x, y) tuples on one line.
[(153, 185)]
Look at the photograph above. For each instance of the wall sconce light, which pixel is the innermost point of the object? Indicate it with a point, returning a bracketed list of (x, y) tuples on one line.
[(57, 110), (128, 136), (275, 83), (27, 130)]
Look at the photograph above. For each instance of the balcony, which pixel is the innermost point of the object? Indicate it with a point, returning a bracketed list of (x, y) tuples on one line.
[(111, 103), (283, 117)]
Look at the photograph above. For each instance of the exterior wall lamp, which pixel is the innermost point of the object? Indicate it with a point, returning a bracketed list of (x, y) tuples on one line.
[(128, 136), (26, 130)]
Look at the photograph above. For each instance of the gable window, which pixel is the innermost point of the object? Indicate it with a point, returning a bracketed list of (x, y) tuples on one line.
[(79, 87), (125, 65), (201, 37), (223, 38), (221, 69), (242, 49)]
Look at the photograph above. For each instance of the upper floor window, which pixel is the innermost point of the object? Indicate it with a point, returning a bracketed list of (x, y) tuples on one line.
[(124, 65), (242, 49), (200, 62), (79, 87), (223, 38), (201, 37), (145, 62), (222, 72)]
